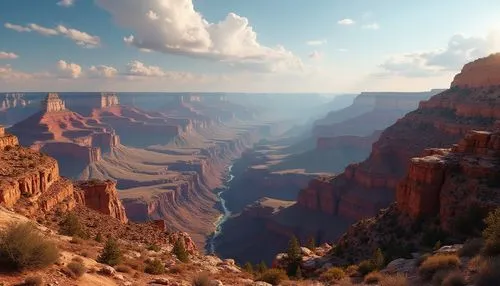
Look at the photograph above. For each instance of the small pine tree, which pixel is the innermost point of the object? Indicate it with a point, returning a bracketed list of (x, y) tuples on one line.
[(180, 251), (98, 237), (378, 259), (261, 267), (311, 243), (248, 267), (111, 253), (294, 256)]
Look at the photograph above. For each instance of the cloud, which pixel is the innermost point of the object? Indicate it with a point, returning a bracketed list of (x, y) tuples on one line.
[(315, 55), (372, 26), (316, 42), (42, 30), (175, 27), (7, 55), (17, 28), (7, 73), (103, 71), (69, 70), (346, 22), (66, 3), (459, 51), (80, 38)]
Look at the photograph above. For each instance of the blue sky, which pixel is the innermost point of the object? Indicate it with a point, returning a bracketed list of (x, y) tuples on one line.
[(241, 45)]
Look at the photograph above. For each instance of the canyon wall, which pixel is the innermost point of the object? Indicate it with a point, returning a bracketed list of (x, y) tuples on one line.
[(438, 122), (102, 197)]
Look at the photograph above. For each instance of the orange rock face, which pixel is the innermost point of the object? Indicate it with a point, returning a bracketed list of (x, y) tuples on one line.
[(103, 197), (480, 73), (447, 182)]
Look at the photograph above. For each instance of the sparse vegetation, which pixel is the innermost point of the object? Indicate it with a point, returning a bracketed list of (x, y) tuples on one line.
[(23, 247), (273, 276), (294, 254), (333, 274), (436, 263), (153, 247), (311, 243), (154, 267), (261, 267), (33, 281), (98, 237), (76, 269), (201, 279), (489, 274), (248, 267), (180, 251), (394, 280), (491, 234), (454, 278), (111, 253), (471, 247), (366, 267), (71, 226), (373, 278)]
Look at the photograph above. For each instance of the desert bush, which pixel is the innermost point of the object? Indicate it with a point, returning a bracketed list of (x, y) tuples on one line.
[(135, 264), (491, 234), (71, 226), (180, 251), (153, 247), (436, 263), (454, 278), (491, 248), (23, 247), (273, 276), (123, 268), (202, 279), (366, 267), (333, 274), (373, 278), (352, 270), (76, 269), (154, 267), (394, 280), (33, 281), (98, 237), (489, 274), (111, 253), (471, 247)]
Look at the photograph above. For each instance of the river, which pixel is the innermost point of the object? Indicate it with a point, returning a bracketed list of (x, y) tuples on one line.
[(225, 212)]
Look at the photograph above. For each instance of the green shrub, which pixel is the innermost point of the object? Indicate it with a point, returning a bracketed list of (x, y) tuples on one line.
[(366, 267), (273, 276), (333, 274), (33, 281), (71, 226), (98, 237), (76, 269), (23, 247), (201, 279), (261, 267), (454, 278), (153, 247), (248, 267), (180, 251), (154, 267), (111, 253), (373, 278), (436, 263), (378, 259), (352, 270), (471, 247), (492, 230)]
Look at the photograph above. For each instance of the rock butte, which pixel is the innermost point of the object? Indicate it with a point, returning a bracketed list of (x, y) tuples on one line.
[(30, 184)]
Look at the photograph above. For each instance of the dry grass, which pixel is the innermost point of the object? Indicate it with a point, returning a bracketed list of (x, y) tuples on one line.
[(333, 274), (394, 280), (436, 263), (373, 278)]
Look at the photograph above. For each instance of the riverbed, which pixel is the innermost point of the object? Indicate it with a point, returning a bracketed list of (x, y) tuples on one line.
[(225, 211)]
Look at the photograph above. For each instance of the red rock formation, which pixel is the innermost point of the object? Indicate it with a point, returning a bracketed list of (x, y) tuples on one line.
[(7, 140), (103, 197), (186, 239), (447, 182), (480, 73), (439, 122)]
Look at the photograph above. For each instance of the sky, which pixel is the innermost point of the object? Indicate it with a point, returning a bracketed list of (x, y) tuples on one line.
[(324, 46)]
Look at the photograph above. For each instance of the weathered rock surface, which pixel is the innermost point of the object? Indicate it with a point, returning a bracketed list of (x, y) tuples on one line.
[(103, 197), (480, 73)]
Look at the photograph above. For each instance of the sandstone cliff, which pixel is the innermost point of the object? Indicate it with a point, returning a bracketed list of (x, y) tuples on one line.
[(480, 73), (103, 197)]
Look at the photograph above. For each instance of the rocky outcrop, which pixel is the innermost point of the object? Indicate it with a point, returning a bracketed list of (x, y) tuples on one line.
[(320, 195), (7, 140), (52, 103), (480, 73), (103, 197), (447, 182)]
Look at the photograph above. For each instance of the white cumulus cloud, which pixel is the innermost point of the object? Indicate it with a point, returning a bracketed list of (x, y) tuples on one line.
[(66, 3), (103, 71), (459, 51), (7, 55), (346, 22), (69, 70), (42, 30), (175, 27)]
